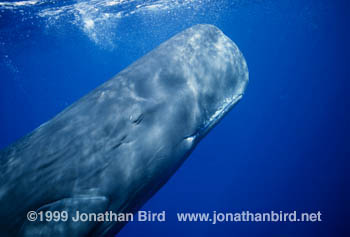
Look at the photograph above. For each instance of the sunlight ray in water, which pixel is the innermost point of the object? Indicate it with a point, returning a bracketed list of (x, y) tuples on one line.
[(98, 19)]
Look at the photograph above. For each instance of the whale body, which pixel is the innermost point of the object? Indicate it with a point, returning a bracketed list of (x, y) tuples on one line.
[(115, 147)]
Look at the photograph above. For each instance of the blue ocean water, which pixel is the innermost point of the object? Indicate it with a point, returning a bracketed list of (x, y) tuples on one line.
[(284, 147)]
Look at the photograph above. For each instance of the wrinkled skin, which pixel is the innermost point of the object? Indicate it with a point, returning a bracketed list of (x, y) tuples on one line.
[(115, 147)]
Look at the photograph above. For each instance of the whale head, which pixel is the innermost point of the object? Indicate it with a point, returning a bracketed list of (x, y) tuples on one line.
[(196, 78), (211, 83), (221, 84)]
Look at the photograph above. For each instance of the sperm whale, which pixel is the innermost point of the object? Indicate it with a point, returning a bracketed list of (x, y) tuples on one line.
[(116, 146)]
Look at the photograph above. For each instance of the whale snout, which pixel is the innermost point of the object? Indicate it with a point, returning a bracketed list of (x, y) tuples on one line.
[(221, 76)]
